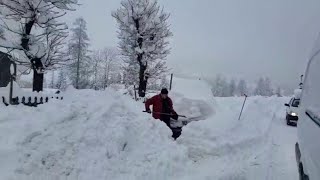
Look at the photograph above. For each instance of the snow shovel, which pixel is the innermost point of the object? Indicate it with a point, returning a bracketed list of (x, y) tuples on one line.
[(167, 114)]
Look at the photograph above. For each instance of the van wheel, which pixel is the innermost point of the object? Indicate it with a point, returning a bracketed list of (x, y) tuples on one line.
[(302, 176)]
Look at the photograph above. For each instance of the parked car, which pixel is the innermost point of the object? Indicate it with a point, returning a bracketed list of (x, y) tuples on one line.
[(308, 146), (292, 111)]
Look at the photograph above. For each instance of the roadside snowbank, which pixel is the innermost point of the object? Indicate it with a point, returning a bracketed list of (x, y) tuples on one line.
[(89, 135)]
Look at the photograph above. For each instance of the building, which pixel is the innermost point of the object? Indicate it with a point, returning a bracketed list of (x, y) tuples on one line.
[(4, 69)]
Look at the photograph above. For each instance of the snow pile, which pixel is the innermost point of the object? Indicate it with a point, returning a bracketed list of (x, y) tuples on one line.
[(89, 135)]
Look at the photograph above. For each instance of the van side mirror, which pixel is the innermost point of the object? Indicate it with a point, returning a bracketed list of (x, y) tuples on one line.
[(286, 104)]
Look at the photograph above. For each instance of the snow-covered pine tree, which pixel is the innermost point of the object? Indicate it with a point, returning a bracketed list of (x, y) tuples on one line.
[(37, 33), (143, 33), (220, 87), (263, 87), (80, 67), (242, 88), (259, 90), (232, 87), (279, 92), (268, 91)]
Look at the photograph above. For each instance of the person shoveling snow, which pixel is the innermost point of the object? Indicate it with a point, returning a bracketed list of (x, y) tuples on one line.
[(163, 110)]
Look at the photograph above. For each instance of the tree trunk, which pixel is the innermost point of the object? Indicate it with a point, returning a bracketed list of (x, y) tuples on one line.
[(37, 81), (52, 80), (78, 71), (142, 81), (37, 75), (78, 61)]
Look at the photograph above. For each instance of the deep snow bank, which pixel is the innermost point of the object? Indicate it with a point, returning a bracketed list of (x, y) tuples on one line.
[(89, 135)]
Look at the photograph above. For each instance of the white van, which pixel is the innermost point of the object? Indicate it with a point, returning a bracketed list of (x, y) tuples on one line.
[(308, 145)]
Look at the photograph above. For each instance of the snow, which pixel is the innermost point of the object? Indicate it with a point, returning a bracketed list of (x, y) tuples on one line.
[(89, 135), (105, 135), (297, 93), (27, 93), (225, 148), (192, 88)]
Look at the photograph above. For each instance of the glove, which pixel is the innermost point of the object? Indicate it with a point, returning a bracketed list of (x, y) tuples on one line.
[(148, 111), (174, 116)]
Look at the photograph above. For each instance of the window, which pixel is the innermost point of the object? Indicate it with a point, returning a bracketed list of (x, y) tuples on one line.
[(290, 102), (295, 102)]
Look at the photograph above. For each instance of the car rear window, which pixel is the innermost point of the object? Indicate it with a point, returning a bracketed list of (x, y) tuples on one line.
[(295, 103)]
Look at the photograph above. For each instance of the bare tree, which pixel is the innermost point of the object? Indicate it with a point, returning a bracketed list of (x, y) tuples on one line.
[(62, 80), (110, 59), (143, 33), (35, 24), (56, 52), (2, 34), (52, 85)]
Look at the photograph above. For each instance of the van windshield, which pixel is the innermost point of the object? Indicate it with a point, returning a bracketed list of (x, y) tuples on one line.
[(295, 102)]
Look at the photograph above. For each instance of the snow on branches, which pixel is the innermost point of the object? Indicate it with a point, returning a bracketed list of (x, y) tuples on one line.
[(36, 29), (143, 34)]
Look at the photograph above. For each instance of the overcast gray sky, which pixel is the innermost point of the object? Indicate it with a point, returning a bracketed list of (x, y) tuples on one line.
[(237, 38)]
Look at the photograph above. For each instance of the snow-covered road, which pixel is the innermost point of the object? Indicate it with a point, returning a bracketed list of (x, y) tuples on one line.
[(259, 146), (277, 161)]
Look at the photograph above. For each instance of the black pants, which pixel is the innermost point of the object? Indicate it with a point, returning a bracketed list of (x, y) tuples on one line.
[(176, 132)]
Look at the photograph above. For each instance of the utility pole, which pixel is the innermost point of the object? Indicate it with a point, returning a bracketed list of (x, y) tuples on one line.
[(171, 81)]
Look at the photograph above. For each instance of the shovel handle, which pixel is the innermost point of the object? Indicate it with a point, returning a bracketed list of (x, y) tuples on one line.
[(167, 114)]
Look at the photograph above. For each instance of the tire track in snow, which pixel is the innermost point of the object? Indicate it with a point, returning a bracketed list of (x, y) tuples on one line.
[(240, 146), (276, 160)]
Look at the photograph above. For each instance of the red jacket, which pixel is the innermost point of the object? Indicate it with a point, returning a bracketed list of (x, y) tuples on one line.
[(156, 101)]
